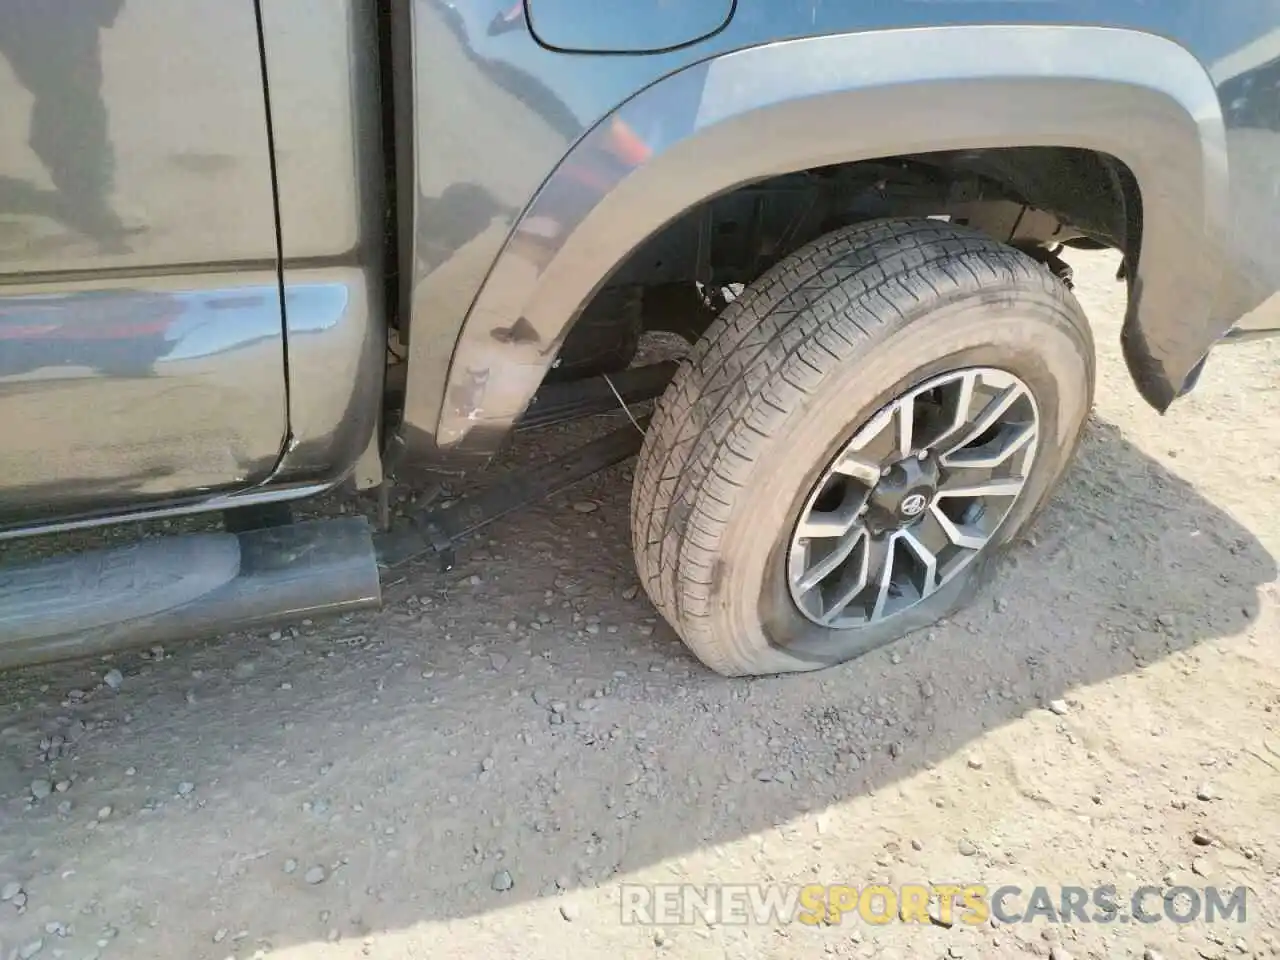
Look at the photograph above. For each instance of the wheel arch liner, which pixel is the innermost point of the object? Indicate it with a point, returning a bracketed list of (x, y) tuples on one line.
[(804, 103)]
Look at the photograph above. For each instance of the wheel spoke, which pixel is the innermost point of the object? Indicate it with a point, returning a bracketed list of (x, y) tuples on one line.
[(855, 585), (992, 487), (880, 563), (928, 562), (875, 442), (964, 400), (931, 534), (906, 424), (1011, 438), (964, 537), (824, 526), (859, 467), (815, 574), (988, 416)]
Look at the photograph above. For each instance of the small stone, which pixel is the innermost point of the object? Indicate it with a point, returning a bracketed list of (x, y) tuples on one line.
[(1206, 792), (64, 807), (486, 764), (569, 911), (586, 506), (290, 865), (499, 660), (185, 788), (1001, 604), (966, 847), (631, 592), (62, 786), (1166, 620), (1058, 952), (333, 936), (1201, 839), (975, 761), (9, 891), (659, 938), (104, 812), (502, 881), (56, 927), (1150, 954), (220, 934), (315, 875), (30, 949), (20, 900), (917, 845), (1059, 707), (113, 679), (1201, 867), (41, 789)]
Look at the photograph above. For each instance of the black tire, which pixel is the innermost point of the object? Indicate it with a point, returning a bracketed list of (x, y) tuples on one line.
[(783, 378), (605, 338)]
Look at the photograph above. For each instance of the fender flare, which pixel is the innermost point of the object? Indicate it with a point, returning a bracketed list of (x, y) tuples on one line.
[(787, 106)]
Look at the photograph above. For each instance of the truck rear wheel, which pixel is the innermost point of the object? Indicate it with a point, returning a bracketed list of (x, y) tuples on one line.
[(855, 441)]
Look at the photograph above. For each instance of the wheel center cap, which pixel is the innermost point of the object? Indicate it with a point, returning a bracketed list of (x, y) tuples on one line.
[(913, 504), (904, 493)]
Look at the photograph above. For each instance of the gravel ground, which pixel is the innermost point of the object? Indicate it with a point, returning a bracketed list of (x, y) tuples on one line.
[(474, 770)]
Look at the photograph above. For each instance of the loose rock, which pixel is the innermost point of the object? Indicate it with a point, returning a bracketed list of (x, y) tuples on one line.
[(975, 761), (185, 788), (290, 865), (1057, 952), (41, 789), (104, 812), (1059, 707), (1206, 792), (502, 881), (9, 891), (1201, 839), (113, 679), (586, 506), (315, 875), (966, 847)]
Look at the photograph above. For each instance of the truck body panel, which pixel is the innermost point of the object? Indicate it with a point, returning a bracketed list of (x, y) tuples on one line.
[(200, 262), (553, 100)]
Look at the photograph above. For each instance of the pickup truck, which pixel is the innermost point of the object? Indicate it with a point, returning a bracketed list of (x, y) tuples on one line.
[(251, 250)]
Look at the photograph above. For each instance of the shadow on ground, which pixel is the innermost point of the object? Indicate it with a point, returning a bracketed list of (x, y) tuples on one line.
[(419, 752)]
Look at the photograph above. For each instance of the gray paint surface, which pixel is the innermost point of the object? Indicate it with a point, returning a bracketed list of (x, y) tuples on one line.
[(138, 232), (553, 225), (141, 347)]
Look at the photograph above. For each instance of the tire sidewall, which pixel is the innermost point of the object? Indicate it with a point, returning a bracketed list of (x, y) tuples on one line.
[(1041, 339)]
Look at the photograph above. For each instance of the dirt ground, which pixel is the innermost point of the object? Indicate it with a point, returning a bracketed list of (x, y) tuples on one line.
[(476, 769)]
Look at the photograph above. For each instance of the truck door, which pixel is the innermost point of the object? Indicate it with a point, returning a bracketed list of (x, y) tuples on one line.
[(141, 338)]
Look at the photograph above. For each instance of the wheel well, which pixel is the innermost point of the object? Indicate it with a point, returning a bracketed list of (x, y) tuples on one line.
[(1036, 198)]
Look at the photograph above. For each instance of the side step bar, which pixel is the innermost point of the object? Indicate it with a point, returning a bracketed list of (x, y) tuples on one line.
[(182, 587)]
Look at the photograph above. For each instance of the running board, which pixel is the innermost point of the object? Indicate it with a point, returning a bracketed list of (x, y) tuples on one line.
[(183, 587)]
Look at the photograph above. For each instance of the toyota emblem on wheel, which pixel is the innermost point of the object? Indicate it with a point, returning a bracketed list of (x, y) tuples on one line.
[(913, 504)]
